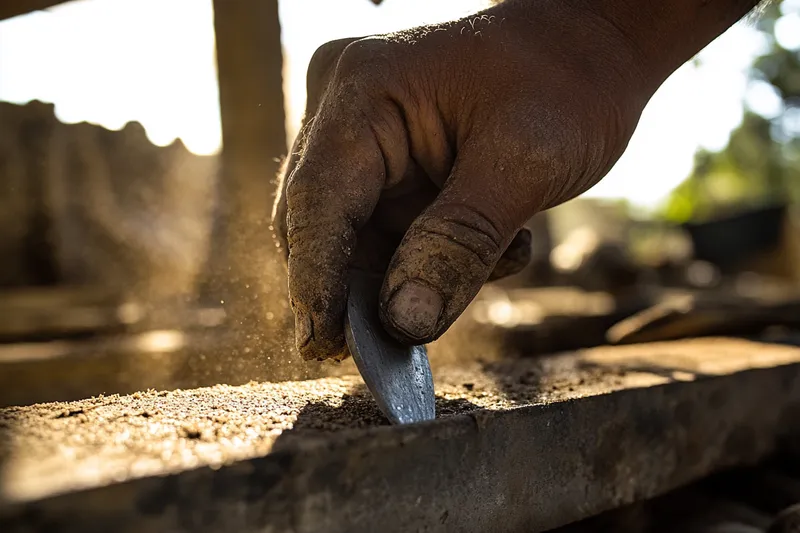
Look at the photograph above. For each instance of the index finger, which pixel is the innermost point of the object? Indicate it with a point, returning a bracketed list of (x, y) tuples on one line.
[(318, 76), (330, 195)]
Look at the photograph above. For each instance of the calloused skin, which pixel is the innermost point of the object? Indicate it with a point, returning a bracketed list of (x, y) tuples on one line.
[(423, 152)]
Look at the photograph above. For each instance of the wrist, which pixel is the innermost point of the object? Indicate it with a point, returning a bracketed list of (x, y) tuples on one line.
[(663, 35), (654, 37)]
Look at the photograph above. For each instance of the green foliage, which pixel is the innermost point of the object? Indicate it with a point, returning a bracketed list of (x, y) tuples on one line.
[(761, 163)]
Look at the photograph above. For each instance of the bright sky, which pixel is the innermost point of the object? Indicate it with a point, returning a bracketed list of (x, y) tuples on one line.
[(113, 61)]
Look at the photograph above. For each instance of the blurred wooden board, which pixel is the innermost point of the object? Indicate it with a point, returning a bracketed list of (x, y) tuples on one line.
[(41, 312)]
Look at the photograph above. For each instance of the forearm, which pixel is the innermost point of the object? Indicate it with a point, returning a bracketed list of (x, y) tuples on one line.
[(660, 34), (668, 33)]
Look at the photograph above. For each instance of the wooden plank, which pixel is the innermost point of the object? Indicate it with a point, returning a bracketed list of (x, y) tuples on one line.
[(518, 446)]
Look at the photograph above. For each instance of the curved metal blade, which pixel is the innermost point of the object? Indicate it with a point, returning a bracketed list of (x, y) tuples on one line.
[(399, 377)]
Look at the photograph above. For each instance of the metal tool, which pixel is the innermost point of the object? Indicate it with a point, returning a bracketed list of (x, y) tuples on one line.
[(398, 376)]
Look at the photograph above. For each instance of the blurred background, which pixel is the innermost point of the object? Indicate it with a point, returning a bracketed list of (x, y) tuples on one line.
[(139, 141)]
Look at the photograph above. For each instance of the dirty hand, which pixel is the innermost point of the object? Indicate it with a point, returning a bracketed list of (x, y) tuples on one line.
[(424, 152)]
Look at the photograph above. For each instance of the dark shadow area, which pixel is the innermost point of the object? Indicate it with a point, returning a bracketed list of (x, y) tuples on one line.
[(560, 333), (745, 500), (633, 321), (779, 336), (519, 381), (716, 315), (357, 410)]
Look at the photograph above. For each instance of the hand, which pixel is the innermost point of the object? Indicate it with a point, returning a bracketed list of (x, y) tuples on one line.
[(424, 152)]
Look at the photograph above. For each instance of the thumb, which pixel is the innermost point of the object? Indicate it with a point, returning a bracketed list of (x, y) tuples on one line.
[(446, 256)]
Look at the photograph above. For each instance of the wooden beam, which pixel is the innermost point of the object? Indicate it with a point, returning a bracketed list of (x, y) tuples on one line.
[(244, 265), (13, 8), (519, 445)]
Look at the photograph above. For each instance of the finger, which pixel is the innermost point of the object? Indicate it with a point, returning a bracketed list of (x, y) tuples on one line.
[(447, 254), (318, 76), (330, 196), (515, 258), (279, 208)]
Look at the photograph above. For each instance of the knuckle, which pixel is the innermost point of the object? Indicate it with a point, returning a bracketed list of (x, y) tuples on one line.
[(365, 60), (327, 54), (301, 191), (324, 240), (299, 230), (324, 59), (468, 229)]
